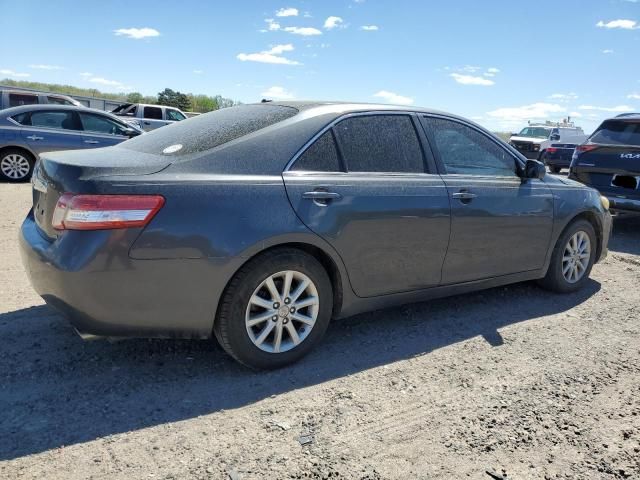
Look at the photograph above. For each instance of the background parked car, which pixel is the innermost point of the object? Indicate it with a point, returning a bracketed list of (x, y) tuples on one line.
[(610, 161), (535, 140), (149, 117), (18, 98), (27, 131), (558, 156)]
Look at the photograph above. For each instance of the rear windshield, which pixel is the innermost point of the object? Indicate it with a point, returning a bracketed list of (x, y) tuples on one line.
[(209, 130), (616, 132)]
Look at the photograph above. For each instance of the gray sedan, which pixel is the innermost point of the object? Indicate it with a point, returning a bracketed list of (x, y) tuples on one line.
[(27, 131), (257, 224)]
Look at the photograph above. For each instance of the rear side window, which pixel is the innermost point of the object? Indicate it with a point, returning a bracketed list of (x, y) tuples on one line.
[(209, 130), (615, 132), (154, 113), (463, 150), (380, 143), (18, 99), (321, 156), (52, 119)]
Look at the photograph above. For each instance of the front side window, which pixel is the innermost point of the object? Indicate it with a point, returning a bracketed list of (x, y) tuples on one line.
[(18, 99), (154, 113), (100, 124), (465, 151), (321, 156), (53, 119), (174, 115), (380, 143)]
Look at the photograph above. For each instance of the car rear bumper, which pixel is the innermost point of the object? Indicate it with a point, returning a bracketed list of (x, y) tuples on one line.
[(105, 293)]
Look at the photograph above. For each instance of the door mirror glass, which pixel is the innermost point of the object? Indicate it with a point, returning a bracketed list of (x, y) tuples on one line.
[(534, 169)]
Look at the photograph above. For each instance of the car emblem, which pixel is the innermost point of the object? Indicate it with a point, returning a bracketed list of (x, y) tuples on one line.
[(630, 156)]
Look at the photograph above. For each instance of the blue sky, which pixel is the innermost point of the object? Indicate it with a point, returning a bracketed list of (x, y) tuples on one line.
[(499, 62)]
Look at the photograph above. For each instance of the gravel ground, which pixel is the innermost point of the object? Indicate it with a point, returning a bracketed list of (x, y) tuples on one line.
[(514, 381)]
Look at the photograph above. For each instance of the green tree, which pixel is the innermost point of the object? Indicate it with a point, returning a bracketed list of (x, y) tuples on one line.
[(174, 99), (135, 97)]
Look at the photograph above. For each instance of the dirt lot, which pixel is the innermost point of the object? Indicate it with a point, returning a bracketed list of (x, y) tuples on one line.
[(513, 380)]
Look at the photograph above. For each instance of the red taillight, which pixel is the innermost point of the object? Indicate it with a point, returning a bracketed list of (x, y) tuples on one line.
[(585, 148), (103, 212), (552, 150)]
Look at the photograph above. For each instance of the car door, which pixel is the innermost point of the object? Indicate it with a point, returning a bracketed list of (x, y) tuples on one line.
[(364, 187), (500, 223), (100, 130), (152, 117), (50, 130)]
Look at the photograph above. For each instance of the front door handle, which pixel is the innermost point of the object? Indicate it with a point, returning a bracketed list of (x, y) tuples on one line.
[(35, 137), (464, 196), (321, 195), (91, 141)]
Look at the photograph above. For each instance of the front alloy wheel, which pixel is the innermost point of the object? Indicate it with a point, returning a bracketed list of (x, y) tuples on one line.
[(15, 166), (575, 260)]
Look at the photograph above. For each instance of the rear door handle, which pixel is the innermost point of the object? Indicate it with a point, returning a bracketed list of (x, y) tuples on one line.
[(321, 195)]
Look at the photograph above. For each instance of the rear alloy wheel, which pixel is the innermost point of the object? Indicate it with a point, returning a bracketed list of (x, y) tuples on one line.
[(15, 165), (572, 258), (275, 310)]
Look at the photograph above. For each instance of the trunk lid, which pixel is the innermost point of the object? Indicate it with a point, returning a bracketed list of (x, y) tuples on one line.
[(80, 171)]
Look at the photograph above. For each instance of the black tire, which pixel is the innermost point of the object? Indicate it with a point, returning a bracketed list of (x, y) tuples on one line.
[(230, 328), (555, 169), (542, 157), (23, 154), (555, 280)]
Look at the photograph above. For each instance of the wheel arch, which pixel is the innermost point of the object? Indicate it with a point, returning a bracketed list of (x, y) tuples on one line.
[(19, 147), (595, 222)]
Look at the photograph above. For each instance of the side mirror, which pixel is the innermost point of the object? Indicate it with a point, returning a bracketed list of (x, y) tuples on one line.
[(131, 132), (555, 137), (534, 169)]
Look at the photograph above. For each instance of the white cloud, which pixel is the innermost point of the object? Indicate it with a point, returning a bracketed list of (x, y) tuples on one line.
[(272, 24), (304, 31), (86, 74), (11, 73), (493, 70), (534, 111), (564, 97), (624, 24), (391, 97), (46, 67), (287, 12), (198, 72), (369, 28), (575, 114), (270, 56), (277, 93), (618, 108), (121, 87), (607, 51), (471, 80), (634, 96), (333, 22), (471, 69), (137, 33)]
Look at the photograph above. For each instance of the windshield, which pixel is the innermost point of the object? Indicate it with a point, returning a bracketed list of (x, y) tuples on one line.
[(535, 132), (615, 132)]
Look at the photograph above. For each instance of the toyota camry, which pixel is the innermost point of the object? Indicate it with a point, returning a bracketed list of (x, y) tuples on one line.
[(258, 224)]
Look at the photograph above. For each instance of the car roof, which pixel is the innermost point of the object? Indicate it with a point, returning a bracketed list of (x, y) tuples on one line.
[(627, 116), (9, 112)]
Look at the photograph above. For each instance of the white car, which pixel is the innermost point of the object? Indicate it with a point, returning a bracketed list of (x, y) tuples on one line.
[(534, 140)]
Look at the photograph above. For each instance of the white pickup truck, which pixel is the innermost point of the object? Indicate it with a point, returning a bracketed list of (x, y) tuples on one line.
[(148, 117)]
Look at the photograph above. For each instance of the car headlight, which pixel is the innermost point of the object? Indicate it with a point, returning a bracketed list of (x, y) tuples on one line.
[(605, 202)]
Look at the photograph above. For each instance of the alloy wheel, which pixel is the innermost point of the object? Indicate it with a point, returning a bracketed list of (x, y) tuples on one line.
[(282, 311), (576, 256), (15, 166)]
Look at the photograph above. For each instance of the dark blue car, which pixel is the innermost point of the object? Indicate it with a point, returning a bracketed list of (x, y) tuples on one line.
[(28, 131), (257, 224)]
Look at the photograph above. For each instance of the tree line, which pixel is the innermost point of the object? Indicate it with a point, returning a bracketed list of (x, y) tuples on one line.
[(187, 102)]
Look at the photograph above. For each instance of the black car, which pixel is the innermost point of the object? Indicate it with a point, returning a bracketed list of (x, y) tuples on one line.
[(558, 156), (610, 161), (257, 224)]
